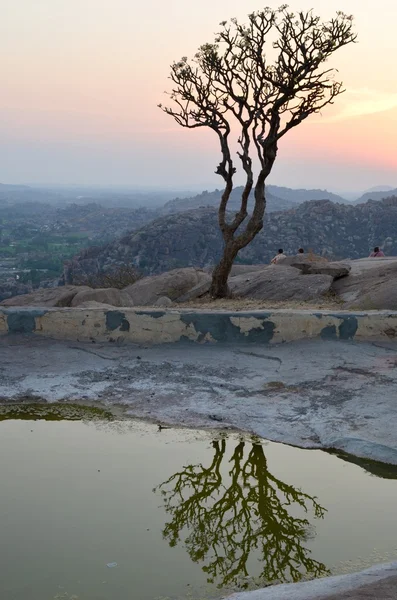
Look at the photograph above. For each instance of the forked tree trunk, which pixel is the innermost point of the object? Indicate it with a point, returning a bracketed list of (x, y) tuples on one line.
[(219, 287), (233, 243)]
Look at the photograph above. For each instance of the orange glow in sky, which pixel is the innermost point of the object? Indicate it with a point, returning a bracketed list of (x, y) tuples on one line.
[(81, 81)]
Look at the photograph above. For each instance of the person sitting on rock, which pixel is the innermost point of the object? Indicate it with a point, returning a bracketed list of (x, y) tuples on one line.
[(301, 251), (279, 256), (377, 253)]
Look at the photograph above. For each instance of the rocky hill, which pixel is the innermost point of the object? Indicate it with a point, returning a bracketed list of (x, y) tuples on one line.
[(211, 199), (298, 196), (192, 238), (278, 198), (375, 195)]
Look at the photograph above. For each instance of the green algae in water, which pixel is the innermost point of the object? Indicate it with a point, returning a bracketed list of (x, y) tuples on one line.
[(53, 412)]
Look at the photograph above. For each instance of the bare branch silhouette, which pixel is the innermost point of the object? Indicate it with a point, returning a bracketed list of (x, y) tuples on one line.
[(251, 512), (258, 80)]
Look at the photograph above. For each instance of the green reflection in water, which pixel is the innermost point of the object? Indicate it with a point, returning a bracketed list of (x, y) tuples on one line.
[(52, 412), (248, 514)]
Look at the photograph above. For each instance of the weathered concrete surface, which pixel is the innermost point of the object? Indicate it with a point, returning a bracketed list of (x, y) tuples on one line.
[(158, 326), (377, 583), (313, 394)]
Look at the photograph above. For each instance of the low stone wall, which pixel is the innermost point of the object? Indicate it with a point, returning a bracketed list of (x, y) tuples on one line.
[(164, 326)]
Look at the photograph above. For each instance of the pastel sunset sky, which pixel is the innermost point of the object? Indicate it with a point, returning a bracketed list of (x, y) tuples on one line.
[(81, 80)]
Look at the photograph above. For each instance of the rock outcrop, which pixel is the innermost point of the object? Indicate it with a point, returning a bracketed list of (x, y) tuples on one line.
[(48, 297), (277, 282), (111, 296), (370, 286), (192, 238), (318, 265), (173, 284)]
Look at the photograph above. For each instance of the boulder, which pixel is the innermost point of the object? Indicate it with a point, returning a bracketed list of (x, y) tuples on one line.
[(242, 269), (163, 301), (199, 290), (299, 259), (371, 264), (280, 283), (369, 288), (308, 264), (335, 269), (93, 304), (172, 284), (111, 296), (48, 297)]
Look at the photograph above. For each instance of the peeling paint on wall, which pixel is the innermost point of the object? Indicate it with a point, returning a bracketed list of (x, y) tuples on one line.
[(156, 327)]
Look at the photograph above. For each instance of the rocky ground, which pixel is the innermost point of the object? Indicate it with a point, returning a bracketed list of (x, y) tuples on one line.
[(193, 238), (302, 281), (377, 583), (312, 394)]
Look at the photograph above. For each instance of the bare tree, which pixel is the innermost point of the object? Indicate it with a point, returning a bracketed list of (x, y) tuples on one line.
[(224, 520), (257, 81)]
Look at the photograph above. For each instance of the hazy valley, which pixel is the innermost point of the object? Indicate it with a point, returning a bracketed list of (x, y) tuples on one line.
[(41, 230)]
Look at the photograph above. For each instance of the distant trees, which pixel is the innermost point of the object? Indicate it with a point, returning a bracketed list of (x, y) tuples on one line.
[(256, 81)]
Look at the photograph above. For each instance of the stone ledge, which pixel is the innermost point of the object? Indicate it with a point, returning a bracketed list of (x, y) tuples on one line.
[(165, 326), (378, 582)]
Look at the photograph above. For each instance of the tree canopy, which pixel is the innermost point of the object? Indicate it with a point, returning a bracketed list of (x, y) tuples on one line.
[(258, 80)]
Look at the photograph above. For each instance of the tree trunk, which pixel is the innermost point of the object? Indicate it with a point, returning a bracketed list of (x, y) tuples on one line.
[(220, 275)]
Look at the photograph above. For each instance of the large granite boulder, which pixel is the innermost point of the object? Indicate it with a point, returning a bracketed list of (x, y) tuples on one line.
[(164, 302), (111, 296), (302, 259), (280, 283), (317, 265), (199, 290), (309, 264), (172, 284), (370, 285), (335, 269), (242, 269), (47, 297)]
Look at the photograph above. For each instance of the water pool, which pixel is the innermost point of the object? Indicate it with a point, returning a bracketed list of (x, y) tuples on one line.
[(177, 514)]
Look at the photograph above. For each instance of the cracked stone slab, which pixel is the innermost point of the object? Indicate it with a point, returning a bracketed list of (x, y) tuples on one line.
[(314, 394), (376, 583)]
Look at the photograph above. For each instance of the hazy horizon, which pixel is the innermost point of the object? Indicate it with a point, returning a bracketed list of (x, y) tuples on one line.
[(81, 81), (347, 194)]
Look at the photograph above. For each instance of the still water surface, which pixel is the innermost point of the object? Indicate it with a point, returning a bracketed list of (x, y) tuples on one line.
[(183, 514)]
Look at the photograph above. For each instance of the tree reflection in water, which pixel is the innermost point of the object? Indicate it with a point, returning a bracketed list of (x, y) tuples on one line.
[(225, 522)]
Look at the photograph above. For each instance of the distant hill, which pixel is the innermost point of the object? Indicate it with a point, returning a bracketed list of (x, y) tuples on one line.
[(302, 195), (380, 188), (212, 199), (278, 198), (63, 195), (192, 238), (375, 195), (8, 187)]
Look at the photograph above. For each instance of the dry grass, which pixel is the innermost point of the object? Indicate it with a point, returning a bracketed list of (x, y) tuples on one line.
[(328, 302)]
